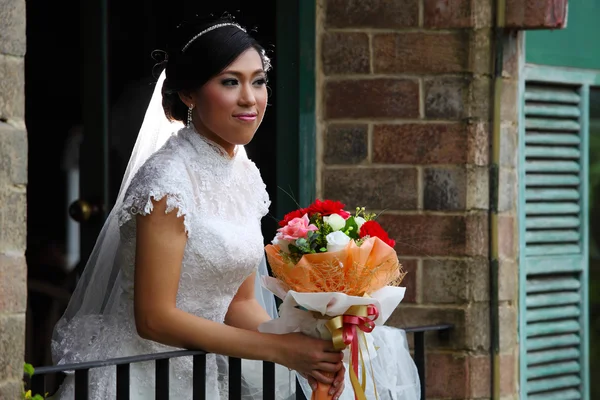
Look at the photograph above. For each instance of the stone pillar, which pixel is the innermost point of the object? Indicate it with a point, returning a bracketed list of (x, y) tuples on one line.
[(404, 120), (13, 181)]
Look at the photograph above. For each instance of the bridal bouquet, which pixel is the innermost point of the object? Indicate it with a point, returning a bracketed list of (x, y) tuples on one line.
[(338, 275)]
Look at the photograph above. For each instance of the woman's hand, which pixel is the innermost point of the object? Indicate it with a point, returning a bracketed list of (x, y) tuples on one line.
[(338, 383), (309, 356)]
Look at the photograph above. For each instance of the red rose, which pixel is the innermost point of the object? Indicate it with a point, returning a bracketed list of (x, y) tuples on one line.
[(290, 216), (328, 207), (373, 229)]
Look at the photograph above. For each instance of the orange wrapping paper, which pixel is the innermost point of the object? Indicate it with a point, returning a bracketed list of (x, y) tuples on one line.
[(355, 271)]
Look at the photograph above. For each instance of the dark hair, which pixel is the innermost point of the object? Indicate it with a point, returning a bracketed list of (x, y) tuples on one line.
[(205, 57)]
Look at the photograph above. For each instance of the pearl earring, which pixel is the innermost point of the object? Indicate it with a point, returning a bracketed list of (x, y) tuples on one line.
[(189, 118)]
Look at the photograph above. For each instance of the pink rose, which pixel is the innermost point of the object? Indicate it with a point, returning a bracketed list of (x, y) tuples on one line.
[(297, 228)]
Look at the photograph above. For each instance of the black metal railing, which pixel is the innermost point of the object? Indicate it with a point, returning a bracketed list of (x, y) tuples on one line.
[(37, 383)]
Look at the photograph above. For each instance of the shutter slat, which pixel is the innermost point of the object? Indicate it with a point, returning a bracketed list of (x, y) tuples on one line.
[(551, 236), (552, 110), (551, 194), (552, 138), (553, 265), (552, 299), (552, 222), (569, 394), (552, 284), (551, 152), (542, 357), (552, 95), (551, 180), (553, 342), (554, 205), (552, 124), (552, 313), (545, 328), (570, 367), (551, 167), (551, 208), (541, 385)]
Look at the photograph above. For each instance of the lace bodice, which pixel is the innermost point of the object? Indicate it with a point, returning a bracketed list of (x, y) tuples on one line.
[(222, 200)]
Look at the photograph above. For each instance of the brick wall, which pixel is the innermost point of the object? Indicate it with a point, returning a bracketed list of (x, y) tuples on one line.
[(404, 111), (13, 180)]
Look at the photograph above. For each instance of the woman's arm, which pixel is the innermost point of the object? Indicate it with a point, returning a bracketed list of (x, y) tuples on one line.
[(161, 241), (244, 311)]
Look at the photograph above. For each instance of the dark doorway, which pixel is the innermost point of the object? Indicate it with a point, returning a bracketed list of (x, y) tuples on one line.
[(54, 117)]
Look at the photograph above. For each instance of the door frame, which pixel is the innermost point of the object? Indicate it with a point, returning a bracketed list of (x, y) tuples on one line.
[(296, 104)]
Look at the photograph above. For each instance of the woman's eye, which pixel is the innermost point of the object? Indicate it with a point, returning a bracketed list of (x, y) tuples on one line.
[(229, 82), (261, 81)]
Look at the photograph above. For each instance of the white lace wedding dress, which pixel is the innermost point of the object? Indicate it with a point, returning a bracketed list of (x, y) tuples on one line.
[(222, 200)]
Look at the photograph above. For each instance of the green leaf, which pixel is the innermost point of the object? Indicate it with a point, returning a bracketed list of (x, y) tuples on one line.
[(29, 370), (37, 397), (351, 228)]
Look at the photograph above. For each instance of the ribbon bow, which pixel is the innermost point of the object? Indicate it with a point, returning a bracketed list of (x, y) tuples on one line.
[(345, 330)]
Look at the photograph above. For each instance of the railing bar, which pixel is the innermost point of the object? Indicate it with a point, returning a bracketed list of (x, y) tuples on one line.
[(162, 379), (235, 378), (199, 377), (428, 328), (123, 382), (420, 359), (81, 384), (116, 361), (38, 383), (300, 392), (268, 381)]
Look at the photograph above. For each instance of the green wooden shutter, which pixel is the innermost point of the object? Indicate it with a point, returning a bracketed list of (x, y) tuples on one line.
[(553, 235)]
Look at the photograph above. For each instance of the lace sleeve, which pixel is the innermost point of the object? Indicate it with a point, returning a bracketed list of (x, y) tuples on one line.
[(158, 179)]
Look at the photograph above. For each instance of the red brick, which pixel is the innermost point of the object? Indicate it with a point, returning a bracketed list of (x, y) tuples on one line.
[(445, 98), (511, 54), (420, 144), (445, 188), (447, 376), (421, 53), (438, 235), (12, 345), (411, 267), (480, 376), (536, 14), (457, 13), (372, 98), (345, 53), (447, 281), (506, 236), (346, 144), (478, 143), (13, 284), (447, 13), (372, 13), (373, 188), (508, 372)]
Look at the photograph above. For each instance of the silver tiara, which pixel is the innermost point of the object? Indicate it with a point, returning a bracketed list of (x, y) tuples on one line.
[(208, 30)]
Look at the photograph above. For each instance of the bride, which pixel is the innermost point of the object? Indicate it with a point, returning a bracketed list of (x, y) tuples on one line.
[(178, 262)]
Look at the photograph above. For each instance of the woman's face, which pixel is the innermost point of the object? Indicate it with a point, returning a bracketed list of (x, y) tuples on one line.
[(230, 107)]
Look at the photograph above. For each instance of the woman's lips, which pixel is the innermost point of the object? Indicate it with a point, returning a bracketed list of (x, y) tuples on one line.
[(246, 117)]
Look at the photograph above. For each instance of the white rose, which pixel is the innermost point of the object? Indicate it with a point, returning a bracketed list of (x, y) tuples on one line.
[(283, 244), (359, 221), (337, 241), (335, 221)]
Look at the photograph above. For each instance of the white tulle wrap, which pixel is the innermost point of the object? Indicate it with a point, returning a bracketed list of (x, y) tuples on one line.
[(385, 351)]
